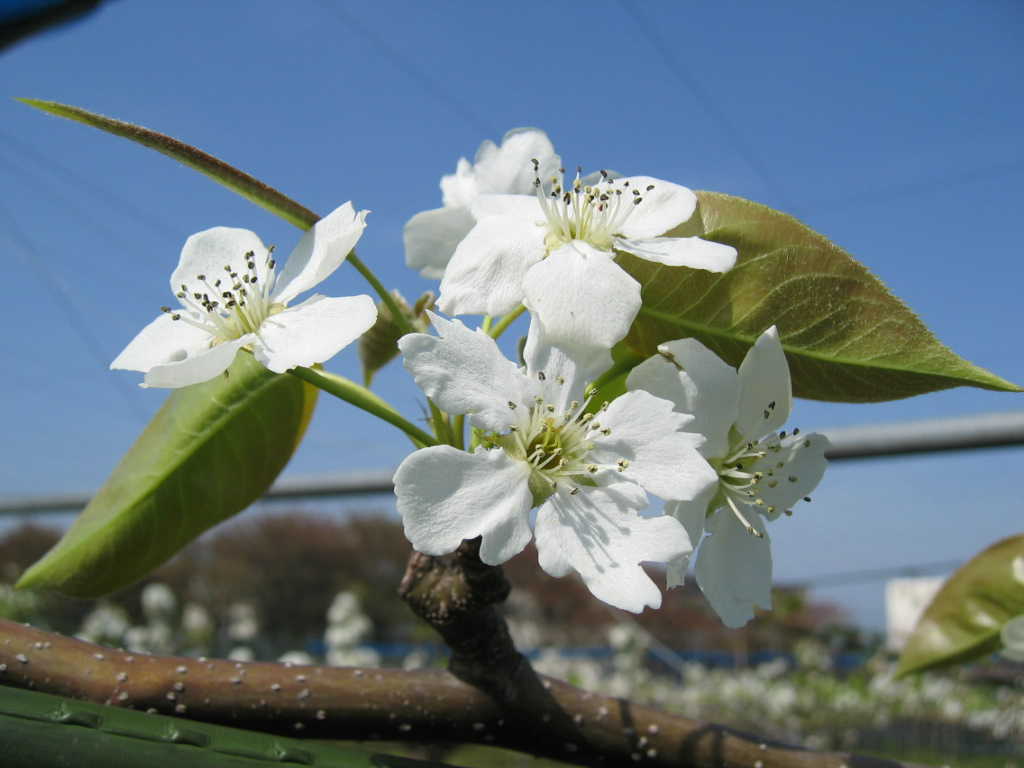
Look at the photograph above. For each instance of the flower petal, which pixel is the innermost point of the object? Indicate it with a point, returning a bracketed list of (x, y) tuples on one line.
[(313, 331), (582, 298), (706, 387), (765, 391), (165, 340), (734, 569), (1012, 637), (197, 366), (321, 250), (692, 515), (485, 275), (509, 168), (459, 189), (446, 495), (804, 465), (664, 207), (644, 431), (464, 372), (524, 208), (565, 376), (593, 534), (690, 252), (432, 236), (206, 253)]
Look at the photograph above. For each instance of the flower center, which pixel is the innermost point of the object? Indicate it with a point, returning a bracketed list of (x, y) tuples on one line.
[(231, 305), (556, 445), (584, 212), (751, 468)]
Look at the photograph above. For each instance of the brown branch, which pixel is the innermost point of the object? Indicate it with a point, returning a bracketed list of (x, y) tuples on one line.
[(426, 705)]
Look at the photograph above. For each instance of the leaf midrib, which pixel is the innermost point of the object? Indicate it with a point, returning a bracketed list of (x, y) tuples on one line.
[(796, 352)]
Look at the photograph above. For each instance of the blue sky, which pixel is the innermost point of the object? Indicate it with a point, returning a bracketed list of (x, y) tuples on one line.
[(893, 130)]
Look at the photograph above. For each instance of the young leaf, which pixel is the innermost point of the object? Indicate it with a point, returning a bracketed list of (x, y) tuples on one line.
[(238, 181), (210, 451), (964, 619), (379, 345), (847, 338)]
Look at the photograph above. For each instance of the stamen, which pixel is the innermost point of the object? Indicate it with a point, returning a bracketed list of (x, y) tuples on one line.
[(746, 523)]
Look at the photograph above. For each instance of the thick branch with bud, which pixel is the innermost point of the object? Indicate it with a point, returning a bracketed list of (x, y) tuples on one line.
[(491, 696)]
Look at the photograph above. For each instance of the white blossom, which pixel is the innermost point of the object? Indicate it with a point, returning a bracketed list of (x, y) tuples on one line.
[(158, 602), (538, 445), (555, 251), (431, 236), (762, 473), (231, 297), (1012, 637)]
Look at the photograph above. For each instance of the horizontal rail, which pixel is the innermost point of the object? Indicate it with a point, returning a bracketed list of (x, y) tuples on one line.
[(983, 430), (987, 430)]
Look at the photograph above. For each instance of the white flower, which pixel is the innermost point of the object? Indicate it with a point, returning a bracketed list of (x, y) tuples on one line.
[(431, 236), (761, 473), (539, 447), (158, 601), (555, 252), (1012, 636), (231, 298)]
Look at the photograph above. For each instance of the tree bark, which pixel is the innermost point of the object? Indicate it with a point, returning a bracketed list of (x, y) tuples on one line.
[(548, 718)]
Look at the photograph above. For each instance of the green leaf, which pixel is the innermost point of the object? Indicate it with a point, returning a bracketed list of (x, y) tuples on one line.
[(379, 345), (41, 730), (247, 186), (209, 452), (238, 181), (847, 338), (964, 619)]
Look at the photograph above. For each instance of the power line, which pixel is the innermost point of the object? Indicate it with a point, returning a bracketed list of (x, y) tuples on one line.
[(64, 201), (411, 70), (66, 303), (124, 208), (707, 103), (914, 188)]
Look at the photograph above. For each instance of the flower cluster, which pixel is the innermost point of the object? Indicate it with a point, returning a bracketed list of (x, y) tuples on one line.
[(690, 429), (549, 459)]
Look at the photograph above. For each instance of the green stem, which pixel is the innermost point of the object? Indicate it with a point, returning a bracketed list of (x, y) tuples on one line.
[(385, 295), (459, 431), (625, 365), (486, 325), (506, 321), (442, 428), (363, 398)]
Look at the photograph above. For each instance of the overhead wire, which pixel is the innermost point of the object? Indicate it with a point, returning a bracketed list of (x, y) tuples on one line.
[(68, 306), (124, 207), (754, 162), (707, 103), (410, 69)]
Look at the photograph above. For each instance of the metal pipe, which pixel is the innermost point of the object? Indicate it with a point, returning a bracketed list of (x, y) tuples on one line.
[(986, 430)]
